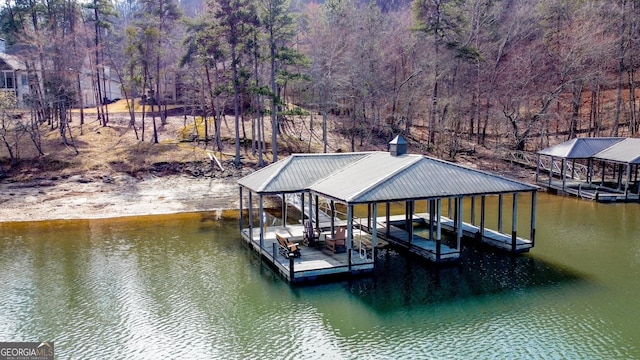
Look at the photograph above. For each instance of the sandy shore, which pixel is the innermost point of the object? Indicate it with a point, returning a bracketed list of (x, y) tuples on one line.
[(122, 195)]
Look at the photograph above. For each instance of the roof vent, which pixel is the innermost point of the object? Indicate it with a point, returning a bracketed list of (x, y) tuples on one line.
[(398, 146)]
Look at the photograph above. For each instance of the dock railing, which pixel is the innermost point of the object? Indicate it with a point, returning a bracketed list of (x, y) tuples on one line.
[(545, 164)]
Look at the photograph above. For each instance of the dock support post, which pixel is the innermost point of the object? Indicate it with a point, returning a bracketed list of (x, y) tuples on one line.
[(374, 233), (626, 185), (455, 214), (459, 222), (636, 175), (263, 222), (250, 209), (410, 206), (291, 270), (514, 222), (432, 211), (349, 232), (317, 207), (439, 230), (500, 201), (550, 171), (284, 210), (311, 208), (241, 220), (387, 215), (533, 218), (332, 205), (482, 215), (473, 210), (407, 219), (563, 171)]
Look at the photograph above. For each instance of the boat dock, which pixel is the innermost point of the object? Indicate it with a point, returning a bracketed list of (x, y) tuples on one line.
[(315, 262), (598, 169), (324, 243)]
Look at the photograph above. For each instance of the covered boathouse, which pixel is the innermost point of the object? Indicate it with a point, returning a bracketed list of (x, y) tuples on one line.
[(360, 183), (601, 169)]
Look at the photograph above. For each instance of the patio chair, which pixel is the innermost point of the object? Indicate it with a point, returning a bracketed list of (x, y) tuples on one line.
[(311, 235), (337, 242), (287, 248)]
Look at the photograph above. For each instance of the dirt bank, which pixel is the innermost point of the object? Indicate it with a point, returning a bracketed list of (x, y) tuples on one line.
[(114, 173), (80, 198)]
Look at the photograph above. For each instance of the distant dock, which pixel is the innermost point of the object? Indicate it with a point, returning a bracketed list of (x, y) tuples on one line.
[(599, 169)]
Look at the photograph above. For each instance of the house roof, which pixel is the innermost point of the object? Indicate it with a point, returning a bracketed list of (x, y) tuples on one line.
[(626, 151), (377, 177), (580, 148), (12, 61)]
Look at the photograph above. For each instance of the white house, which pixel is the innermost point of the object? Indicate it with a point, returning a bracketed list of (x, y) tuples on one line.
[(110, 85), (14, 79), (13, 76)]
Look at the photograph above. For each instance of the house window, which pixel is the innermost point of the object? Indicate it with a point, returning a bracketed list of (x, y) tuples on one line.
[(24, 80), (6, 80)]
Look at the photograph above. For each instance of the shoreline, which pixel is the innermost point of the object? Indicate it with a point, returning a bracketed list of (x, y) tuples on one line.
[(110, 197)]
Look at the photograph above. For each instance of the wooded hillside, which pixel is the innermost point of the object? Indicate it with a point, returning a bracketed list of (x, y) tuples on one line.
[(448, 74)]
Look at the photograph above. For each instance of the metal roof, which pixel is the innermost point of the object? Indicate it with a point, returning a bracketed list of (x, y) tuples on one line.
[(626, 151), (433, 178), (297, 172), (580, 148), (377, 177)]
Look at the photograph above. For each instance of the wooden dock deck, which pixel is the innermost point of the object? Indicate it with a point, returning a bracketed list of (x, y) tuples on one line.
[(490, 237), (313, 262), (420, 246), (583, 190)]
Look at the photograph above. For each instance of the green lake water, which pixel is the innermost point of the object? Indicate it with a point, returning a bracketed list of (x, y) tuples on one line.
[(185, 286)]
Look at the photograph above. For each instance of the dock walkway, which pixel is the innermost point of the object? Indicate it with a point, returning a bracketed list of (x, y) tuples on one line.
[(419, 245), (489, 236), (583, 190), (313, 262)]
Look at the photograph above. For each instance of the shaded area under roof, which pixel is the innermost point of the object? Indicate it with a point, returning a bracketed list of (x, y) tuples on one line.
[(377, 177), (580, 148), (626, 151)]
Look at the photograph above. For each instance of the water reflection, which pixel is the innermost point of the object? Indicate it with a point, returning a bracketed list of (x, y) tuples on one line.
[(185, 286), (402, 281)]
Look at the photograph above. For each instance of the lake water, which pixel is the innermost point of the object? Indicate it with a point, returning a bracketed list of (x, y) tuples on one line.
[(185, 286)]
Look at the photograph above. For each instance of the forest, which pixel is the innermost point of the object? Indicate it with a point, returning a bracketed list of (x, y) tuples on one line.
[(448, 74)]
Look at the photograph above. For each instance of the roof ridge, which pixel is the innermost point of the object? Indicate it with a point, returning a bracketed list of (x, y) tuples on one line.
[(366, 154), (390, 175), (276, 173)]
